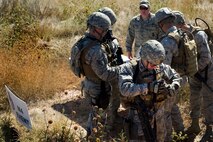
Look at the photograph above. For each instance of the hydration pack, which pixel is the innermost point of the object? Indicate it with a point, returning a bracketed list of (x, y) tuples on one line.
[(206, 29)]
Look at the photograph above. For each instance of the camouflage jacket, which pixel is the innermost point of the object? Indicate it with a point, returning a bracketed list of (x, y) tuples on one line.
[(170, 45), (140, 30), (130, 89), (204, 53)]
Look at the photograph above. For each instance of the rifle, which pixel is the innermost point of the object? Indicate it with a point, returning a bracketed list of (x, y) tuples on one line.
[(144, 115)]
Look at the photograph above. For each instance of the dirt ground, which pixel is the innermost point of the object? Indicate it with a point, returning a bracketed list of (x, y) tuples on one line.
[(64, 103)]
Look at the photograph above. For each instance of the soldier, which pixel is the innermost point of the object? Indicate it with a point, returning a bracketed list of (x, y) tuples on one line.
[(165, 19), (144, 83), (114, 51), (201, 85), (141, 28), (95, 85)]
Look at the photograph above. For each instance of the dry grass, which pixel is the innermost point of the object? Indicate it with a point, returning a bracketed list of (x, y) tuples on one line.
[(37, 68)]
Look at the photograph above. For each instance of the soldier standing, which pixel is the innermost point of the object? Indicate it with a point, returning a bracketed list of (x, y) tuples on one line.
[(201, 85), (94, 64), (113, 51), (144, 83), (165, 19), (141, 28)]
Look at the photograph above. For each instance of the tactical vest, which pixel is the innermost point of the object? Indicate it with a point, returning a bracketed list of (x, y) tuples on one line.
[(186, 62), (147, 77), (76, 54), (113, 51)]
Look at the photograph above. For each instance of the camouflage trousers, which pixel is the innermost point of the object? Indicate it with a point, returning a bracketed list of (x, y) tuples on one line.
[(168, 105), (135, 128), (201, 98), (177, 121), (91, 90), (114, 102)]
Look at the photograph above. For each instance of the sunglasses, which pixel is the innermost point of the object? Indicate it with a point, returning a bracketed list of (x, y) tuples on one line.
[(143, 8)]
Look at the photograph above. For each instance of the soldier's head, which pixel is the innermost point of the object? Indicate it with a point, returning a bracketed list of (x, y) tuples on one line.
[(110, 13), (144, 7), (98, 24), (180, 20), (152, 54), (165, 18)]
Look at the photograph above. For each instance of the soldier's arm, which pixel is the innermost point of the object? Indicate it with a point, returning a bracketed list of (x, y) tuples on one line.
[(204, 52), (171, 48), (171, 75), (130, 36), (99, 63), (126, 85)]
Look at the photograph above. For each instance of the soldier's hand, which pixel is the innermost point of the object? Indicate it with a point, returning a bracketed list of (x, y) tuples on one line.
[(129, 54), (172, 89), (154, 86)]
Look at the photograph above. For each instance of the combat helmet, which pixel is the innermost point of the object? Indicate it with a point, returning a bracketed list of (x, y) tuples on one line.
[(153, 51), (99, 20), (163, 14), (110, 13), (179, 17)]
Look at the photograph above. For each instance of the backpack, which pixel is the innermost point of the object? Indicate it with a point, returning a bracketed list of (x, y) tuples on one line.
[(207, 30), (186, 62), (75, 58)]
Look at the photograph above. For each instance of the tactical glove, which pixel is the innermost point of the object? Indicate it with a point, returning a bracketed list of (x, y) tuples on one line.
[(172, 89), (155, 86)]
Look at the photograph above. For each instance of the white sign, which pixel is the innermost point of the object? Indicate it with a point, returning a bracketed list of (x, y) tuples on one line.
[(19, 108)]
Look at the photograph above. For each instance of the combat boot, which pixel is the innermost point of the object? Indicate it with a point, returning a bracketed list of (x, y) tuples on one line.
[(194, 128), (208, 136)]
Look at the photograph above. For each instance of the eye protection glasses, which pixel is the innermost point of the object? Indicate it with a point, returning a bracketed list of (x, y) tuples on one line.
[(143, 8)]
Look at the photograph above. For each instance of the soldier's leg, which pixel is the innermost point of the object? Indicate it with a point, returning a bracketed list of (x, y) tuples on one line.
[(135, 129), (167, 116), (161, 128), (177, 121), (114, 118), (207, 110), (195, 106)]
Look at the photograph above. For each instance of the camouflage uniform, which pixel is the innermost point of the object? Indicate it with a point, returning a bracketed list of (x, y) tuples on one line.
[(204, 60), (140, 30), (172, 112), (95, 63), (200, 93), (152, 52), (113, 51)]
